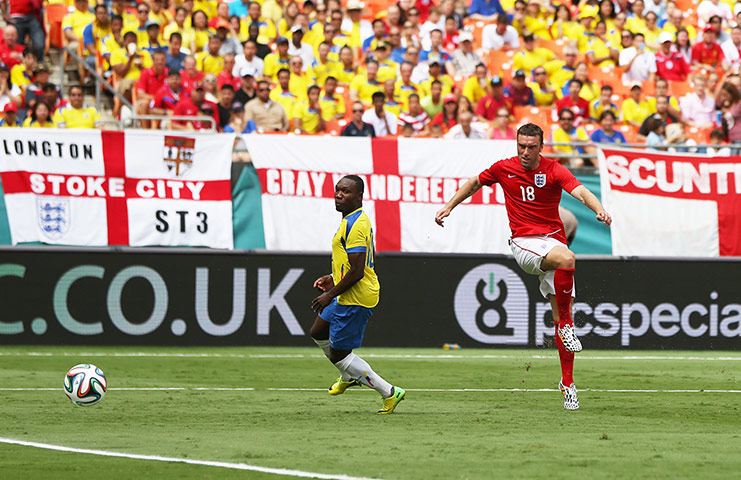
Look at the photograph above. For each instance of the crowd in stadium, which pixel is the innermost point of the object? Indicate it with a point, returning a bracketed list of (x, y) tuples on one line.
[(653, 72)]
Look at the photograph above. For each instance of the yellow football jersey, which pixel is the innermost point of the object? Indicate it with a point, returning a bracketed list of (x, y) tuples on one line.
[(355, 235)]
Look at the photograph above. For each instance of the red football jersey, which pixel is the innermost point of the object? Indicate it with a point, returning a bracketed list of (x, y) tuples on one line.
[(532, 197)]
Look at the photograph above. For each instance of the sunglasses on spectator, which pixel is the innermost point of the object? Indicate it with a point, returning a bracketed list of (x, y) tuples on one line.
[(263, 89), (360, 110), (539, 73)]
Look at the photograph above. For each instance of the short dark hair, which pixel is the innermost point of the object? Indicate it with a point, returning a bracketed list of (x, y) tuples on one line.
[(176, 35), (76, 87), (100, 5), (312, 87), (531, 130), (503, 18), (377, 95), (227, 86), (607, 113), (358, 182), (564, 110), (283, 70), (606, 88), (116, 17), (576, 80)]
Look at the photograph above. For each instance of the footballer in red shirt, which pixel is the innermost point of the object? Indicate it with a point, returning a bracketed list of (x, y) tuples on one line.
[(532, 186)]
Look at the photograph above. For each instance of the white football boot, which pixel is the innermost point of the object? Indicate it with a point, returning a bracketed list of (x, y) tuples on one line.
[(570, 340), (570, 397)]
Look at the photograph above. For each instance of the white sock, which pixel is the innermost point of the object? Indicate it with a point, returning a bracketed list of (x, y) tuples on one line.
[(357, 368), (324, 345)]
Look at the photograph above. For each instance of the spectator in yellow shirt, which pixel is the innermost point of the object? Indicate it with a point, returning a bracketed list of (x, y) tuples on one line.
[(210, 61), (75, 115), (201, 32), (544, 91), (178, 25), (300, 80), (475, 87), (333, 105), (363, 87), (128, 62), (436, 74), (278, 60), (405, 86), (531, 57), (22, 74), (282, 94), (323, 67), (74, 23), (568, 133), (40, 116), (635, 109), (307, 114)]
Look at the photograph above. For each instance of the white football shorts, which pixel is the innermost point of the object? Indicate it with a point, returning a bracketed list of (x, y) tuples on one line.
[(529, 252)]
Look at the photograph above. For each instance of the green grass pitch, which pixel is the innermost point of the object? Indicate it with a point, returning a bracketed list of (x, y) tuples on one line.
[(285, 420)]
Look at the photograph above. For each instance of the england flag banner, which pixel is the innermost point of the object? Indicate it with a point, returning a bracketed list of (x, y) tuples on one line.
[(406, 182), (672, 204), (87, 187)]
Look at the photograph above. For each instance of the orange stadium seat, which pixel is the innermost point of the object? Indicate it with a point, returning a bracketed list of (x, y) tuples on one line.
[(701, 135), (680, 89), (538, 115), (555, 46), (344, 90), (495, 59), (53, 16), (629, 132)]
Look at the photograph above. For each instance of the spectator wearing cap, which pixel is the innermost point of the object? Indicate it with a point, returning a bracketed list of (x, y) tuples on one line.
[(249, 59), (75, 114), (323, 66), (282, 93), (357, 28), (35, 90), (708, 53), (224, 107), (394, 103), (22, 74), (357, 127), (530, 57), (152, 44), (383, 122), (638, 64), (584, 31), (74, 23), (194, 105), (500, 35), (11, 52), (332, 104), (39, 117), (606, 133), (278, 60), (518, 90), (297, 48), (475, 87), (167, 96), (227, 76), (670, 64), (307, 113), (464, 58), (269, 116), (236, 122), (364, 86), (602, 104), (150, 82), (487, 108), (211, 60), (485, 10), (635, 109), (544, 91), (433, 103), (436, 74), (567, 132), (573, 102), (467, 128), (379, 34), (246, 91), (447, 118), (229, 38), (10, 116), (128, 63)]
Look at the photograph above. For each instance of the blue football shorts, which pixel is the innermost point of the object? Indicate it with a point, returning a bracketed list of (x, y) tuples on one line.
[(346, 324)]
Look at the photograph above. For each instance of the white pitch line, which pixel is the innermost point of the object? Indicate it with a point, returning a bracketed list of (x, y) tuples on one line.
[(207, 463), (454, 390), (366, 355)]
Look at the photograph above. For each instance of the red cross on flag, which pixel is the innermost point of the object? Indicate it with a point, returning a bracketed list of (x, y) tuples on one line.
[(87, 187), (406, 182), (672, 204)]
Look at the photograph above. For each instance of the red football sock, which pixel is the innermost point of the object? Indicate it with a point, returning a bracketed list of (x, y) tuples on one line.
[(567, 361), (563, 280)]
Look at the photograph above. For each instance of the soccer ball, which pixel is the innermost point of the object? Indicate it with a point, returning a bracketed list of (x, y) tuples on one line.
[(85, 384)]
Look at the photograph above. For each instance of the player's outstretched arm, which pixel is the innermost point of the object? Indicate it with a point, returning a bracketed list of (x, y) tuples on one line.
[(469, 188), (585, 196)]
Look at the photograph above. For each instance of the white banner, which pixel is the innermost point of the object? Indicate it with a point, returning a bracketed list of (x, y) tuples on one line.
[(139, 188), (406, 182), (672, 204)]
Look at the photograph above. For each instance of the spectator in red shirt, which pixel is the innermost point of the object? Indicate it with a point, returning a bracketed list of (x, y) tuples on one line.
[(11, 52), (168, 96), (451, 40), (487, 108), (226, 76), (25, 16), (193, 106), (575, 103), (670, 64), (708, 53), (190, 75), (150, 81)]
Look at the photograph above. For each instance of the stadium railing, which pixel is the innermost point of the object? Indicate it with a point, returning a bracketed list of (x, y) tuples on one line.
[(131, 122), (99, 81)]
